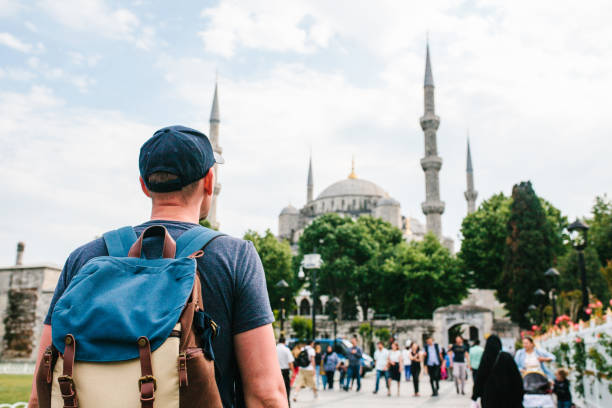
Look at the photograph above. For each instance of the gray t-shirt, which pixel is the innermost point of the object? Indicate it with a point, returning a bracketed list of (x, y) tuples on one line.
[(233, 290)]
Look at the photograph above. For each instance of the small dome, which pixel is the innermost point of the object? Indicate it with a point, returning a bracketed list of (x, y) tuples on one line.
[(289, 210), (353, 187), (388, 202)]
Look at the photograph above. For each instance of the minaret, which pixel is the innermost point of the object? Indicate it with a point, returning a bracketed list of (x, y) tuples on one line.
[(309, 182), (470, 194), (431, 163), (214, 140)]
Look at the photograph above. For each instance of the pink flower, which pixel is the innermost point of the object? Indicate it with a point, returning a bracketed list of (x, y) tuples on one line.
[(534, 327), (588, 310), (599, 304), (610, 302), (578, 340)]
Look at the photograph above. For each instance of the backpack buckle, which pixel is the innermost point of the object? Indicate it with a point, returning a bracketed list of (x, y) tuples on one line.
[(147, 379)]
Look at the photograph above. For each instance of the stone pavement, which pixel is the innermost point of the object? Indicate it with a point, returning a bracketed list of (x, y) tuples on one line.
[(340, 399)]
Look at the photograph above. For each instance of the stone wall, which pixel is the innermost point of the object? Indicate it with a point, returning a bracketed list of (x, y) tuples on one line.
[(25, 295)]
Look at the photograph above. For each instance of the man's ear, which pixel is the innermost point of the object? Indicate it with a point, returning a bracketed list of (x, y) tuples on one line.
[(144, 188), (209, 182)]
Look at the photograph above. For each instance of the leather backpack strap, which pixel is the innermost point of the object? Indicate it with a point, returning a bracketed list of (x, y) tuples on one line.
[(119, 242), (147, 383), (66, 382), (169, 247)]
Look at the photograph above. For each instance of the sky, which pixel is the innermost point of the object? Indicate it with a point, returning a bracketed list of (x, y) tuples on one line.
[(83, 83)]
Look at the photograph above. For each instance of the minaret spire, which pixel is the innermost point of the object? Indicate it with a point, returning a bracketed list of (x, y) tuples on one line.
[(215, 120), (353, 175), (309, 182), (432, 207), (470, 194)]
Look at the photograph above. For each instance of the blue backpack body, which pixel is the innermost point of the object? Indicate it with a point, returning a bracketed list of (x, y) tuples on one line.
[(114, 300)]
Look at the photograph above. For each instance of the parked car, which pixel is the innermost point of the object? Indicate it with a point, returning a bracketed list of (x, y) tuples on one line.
[(342, 348)]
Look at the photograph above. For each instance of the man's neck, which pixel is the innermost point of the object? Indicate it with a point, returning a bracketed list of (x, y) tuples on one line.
[(175, 213)]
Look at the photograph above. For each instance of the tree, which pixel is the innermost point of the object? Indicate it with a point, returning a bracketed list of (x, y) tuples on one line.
[(600, 232), (276, 258), (382, 334), (484, 240), (528, 252), (570, 274), (382, 237), (344, 248), (302, 327), (420, 277)]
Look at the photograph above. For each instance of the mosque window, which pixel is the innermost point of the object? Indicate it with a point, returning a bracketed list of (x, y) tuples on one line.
[(332, 204), (342, 205), (354, 203)]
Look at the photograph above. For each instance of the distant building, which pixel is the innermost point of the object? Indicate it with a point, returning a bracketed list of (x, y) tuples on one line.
[(25, 295), (354, 196)]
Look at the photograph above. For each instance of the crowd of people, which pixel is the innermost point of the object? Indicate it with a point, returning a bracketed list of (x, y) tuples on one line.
[(500, 380)]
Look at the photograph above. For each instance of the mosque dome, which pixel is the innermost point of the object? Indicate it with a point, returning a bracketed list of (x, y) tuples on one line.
[(289, 210), (388, 202), (353, 187)]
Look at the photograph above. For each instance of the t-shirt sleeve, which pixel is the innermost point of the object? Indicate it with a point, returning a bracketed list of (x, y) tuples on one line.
[(290, 356), (252, 305)]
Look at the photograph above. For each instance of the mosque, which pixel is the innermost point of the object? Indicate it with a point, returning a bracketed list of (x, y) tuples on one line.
[(355, 196)]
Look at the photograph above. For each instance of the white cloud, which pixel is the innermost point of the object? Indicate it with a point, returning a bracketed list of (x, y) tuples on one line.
[(80, 59), (10, 7), (31, 26), (98, 17), (15, 43), (263, 25), (529, 84), (71, 173), (16, 74)]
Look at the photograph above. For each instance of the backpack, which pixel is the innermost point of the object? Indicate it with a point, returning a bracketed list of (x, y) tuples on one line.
[(303, 360), (132, 332)]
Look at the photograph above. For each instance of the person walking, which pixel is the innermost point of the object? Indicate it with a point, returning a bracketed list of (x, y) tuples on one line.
[(475, 356), (177, 172), (318, 366), (406, 359), (415, 360), (285, 360), (395, 366), (562, 389), (354, 366), (531, 358), (493, 347), (381, 361), (306, 375), (504, 387), (459, 356), (330, 364), (433, 361)]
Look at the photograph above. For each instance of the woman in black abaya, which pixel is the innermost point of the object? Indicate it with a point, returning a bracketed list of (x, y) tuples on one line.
[(504, 388), (492, 348)]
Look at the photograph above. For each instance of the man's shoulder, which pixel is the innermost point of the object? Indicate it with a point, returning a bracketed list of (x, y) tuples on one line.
[(85, 252)]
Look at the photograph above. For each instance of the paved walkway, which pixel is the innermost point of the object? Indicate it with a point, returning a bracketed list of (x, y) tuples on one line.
[(340, 399)]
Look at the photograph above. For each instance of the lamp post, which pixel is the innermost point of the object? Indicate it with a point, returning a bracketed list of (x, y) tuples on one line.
[(282, 285), (530, 309), (312, 262), (541, 297), (335, 301), (552, 275), (578, 235)]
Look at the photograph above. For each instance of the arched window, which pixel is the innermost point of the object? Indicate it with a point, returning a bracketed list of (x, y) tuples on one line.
[(304, 307), (318, 307)]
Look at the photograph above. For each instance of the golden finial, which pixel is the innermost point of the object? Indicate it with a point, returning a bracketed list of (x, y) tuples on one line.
[(353, 175)]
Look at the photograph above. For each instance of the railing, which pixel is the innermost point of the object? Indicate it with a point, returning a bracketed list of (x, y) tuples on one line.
[(15, 405), (596, 385)]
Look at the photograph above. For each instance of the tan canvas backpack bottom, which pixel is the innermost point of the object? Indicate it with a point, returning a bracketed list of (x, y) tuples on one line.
[(103, 385)]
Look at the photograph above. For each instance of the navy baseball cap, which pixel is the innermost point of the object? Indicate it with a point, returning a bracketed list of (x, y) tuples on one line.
[(179, 150)]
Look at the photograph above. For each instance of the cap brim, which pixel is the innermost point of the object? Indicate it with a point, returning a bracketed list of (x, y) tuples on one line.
[(218, 158)]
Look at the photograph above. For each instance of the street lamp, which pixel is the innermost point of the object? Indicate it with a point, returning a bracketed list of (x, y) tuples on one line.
[(541, 297), (578, 234), (335, 301), (282, 285), (312, 262), (552, 275)]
